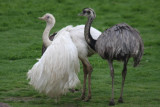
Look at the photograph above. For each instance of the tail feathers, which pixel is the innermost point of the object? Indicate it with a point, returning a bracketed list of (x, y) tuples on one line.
[(138, 57), (136, 62)]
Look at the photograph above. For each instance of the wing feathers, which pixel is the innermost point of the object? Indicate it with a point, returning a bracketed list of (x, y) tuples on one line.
[(57, 69)]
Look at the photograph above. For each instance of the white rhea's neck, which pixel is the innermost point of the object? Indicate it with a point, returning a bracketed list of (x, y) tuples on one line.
[(46, 33)]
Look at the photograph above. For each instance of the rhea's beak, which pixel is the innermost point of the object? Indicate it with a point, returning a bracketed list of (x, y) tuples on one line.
[(80, 14), (41, 18)]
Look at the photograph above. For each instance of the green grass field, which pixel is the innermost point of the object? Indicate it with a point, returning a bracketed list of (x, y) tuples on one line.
[(20, 45)]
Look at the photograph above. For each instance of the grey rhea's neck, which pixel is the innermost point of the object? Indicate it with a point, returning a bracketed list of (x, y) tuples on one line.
[(89, 39)]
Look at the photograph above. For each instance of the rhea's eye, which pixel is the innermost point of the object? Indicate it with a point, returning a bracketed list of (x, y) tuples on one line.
[(47, 17), (88, 12)]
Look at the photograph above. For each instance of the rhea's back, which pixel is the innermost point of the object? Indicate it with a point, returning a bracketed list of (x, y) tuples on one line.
[(119, 41)]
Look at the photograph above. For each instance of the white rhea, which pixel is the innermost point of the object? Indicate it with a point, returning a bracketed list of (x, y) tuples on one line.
[(56, 71), (77, 36), (84, 51)]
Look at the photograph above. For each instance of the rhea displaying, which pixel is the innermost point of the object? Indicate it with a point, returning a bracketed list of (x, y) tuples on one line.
[(84, 51), (119, 42), (56, 71)]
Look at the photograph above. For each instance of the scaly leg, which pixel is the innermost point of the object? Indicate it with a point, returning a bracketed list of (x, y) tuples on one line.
[(89, 69), (112, 75), (84, 82), (124, 72)]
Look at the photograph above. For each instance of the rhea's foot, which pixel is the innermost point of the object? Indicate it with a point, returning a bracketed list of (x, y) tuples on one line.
[(81, 98), (120, 100), (112, 103), (87, 99), (72, 90)]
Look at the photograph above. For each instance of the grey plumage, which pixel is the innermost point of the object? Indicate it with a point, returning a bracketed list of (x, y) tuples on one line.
[(119, 42)]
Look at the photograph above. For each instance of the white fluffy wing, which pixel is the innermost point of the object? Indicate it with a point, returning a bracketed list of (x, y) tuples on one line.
[(77, 34), (57, 69)]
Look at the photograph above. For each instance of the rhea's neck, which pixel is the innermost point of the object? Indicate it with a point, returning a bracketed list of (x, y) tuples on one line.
[(90, 41), (46, 33)]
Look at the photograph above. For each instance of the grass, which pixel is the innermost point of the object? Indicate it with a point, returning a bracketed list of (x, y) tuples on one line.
[(20, 45)]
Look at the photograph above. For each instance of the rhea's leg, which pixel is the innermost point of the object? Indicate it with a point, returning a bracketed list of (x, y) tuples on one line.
[(112, 75), (124, 72), (84, 82), (85, 63), (89, 69)]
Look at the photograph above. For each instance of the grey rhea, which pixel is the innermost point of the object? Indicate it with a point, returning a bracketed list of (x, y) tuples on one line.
[(119, 42)]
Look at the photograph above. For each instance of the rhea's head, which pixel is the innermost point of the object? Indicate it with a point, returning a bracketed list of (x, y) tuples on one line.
[(49, 18), (88, 12)]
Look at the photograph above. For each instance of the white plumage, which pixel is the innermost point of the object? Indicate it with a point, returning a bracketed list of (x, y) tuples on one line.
[(77, 35), (57, 69)]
